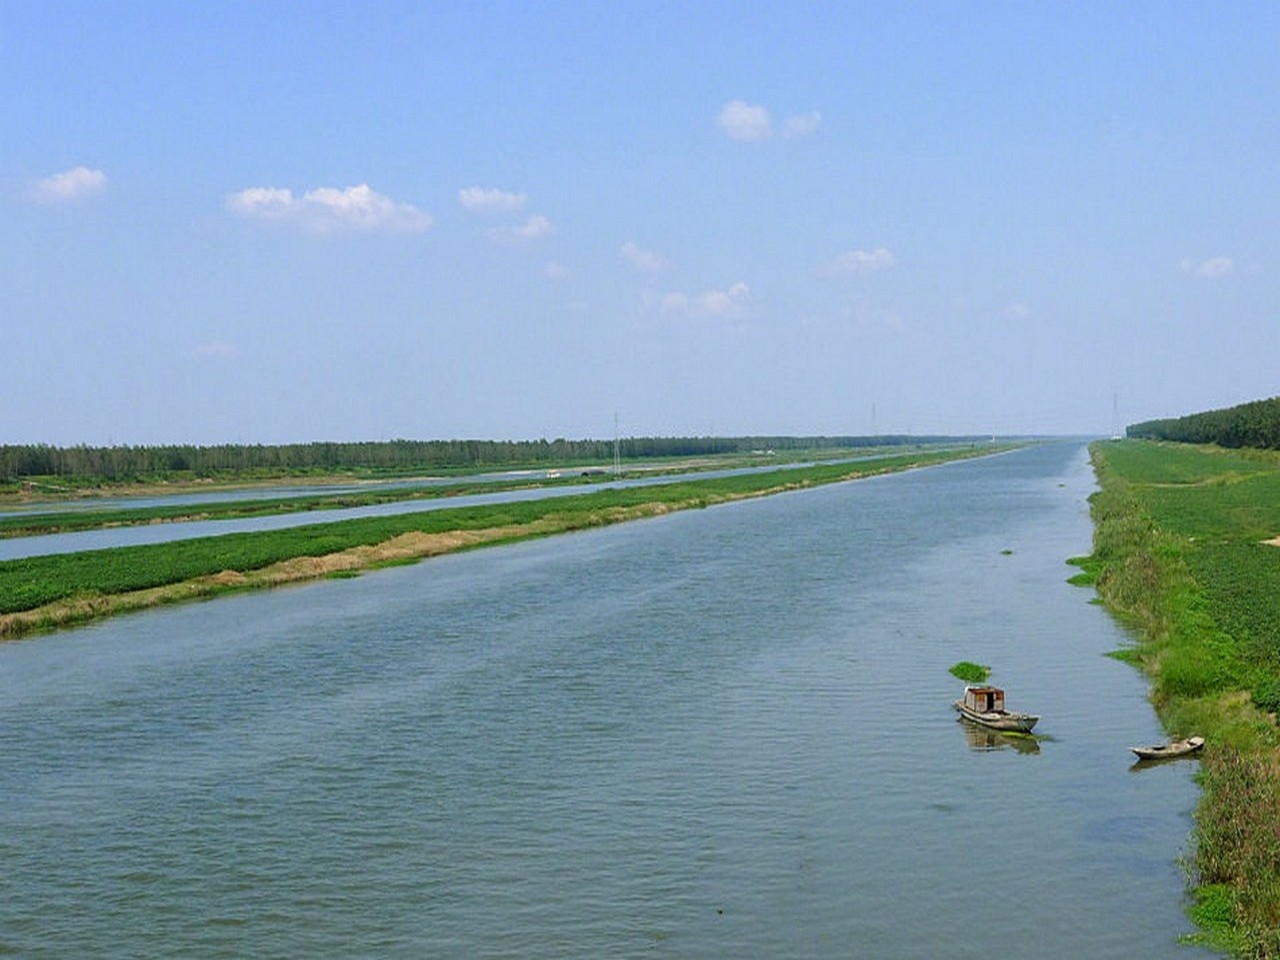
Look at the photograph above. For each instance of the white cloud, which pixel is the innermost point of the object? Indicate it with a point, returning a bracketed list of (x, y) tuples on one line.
[(802, 125), (712, 303), (327, 210), (480, 200), (1210, 269), (745, 121), (642, 260), (1017, 310), (723, 303), (265, 203), (748, 121), (557, 271), (535, 228), (862, 261), (74, 184)]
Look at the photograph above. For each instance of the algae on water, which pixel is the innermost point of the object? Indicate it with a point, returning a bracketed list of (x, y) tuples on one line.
[(970, 672)]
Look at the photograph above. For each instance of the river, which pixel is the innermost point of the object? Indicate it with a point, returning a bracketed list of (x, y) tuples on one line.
[(718, 733)]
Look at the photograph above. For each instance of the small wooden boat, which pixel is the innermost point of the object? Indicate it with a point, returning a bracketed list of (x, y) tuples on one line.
[(985, 706), (1166, 751)]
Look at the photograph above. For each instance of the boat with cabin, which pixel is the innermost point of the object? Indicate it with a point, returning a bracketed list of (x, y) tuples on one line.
[(985, 705)]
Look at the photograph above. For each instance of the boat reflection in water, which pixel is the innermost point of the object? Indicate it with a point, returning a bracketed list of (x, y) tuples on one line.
[(986, 739)]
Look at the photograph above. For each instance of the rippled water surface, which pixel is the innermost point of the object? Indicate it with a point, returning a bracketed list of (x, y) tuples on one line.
[(721, 733)]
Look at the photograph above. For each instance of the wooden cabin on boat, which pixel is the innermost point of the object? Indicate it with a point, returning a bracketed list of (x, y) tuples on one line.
[(984, 699)]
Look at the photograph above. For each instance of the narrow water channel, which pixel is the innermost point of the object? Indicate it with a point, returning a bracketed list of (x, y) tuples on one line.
[(106, 538)]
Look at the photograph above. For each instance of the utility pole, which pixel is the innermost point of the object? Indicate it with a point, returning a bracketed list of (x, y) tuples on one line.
[(617, 459)]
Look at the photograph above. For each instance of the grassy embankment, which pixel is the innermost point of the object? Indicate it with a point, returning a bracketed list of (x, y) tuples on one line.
[(1180, 555), (34, 521), (26, 490), (65, 521), (51, 591)]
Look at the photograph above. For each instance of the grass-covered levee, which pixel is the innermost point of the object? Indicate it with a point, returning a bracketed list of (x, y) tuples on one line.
[(1183, 555)]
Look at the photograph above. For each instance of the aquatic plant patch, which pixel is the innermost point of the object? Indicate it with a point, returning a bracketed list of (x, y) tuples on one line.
[(970, 672)]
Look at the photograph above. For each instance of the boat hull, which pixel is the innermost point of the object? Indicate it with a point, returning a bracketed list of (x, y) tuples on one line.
[(1005, 720), (1167, 751)]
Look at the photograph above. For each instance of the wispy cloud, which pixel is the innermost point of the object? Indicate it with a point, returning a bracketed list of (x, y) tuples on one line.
[(750, 121), (1211, 269), (328, 210), (727, 303), (802, 125), (488, 201), (74, 184), (862, 261), (535, 228), (642, 260)]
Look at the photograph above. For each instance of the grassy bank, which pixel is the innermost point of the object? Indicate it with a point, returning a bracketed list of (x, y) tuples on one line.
[(1179, 555), (54, 518), (51, 591), (54, 522), (24, 490)]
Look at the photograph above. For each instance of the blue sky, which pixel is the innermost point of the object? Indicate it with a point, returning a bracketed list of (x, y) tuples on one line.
[(281, 222)]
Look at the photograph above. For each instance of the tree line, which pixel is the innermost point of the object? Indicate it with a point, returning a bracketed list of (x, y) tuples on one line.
[(126, 463), (1253, 424)]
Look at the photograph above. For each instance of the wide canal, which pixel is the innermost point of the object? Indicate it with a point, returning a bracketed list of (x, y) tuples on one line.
[(719, 733)]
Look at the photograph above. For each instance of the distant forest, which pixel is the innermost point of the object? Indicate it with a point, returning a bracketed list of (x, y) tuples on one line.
[(125, 463), (1253, 424)]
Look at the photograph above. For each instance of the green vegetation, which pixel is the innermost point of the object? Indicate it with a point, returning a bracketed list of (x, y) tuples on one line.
[(970, 672), (41, 524), (1179, 555), (1255, 424), (53, 521), (46, 591), (62, 469)]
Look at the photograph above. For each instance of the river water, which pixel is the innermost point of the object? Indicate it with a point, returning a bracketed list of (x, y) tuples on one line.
[(719, 733)]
